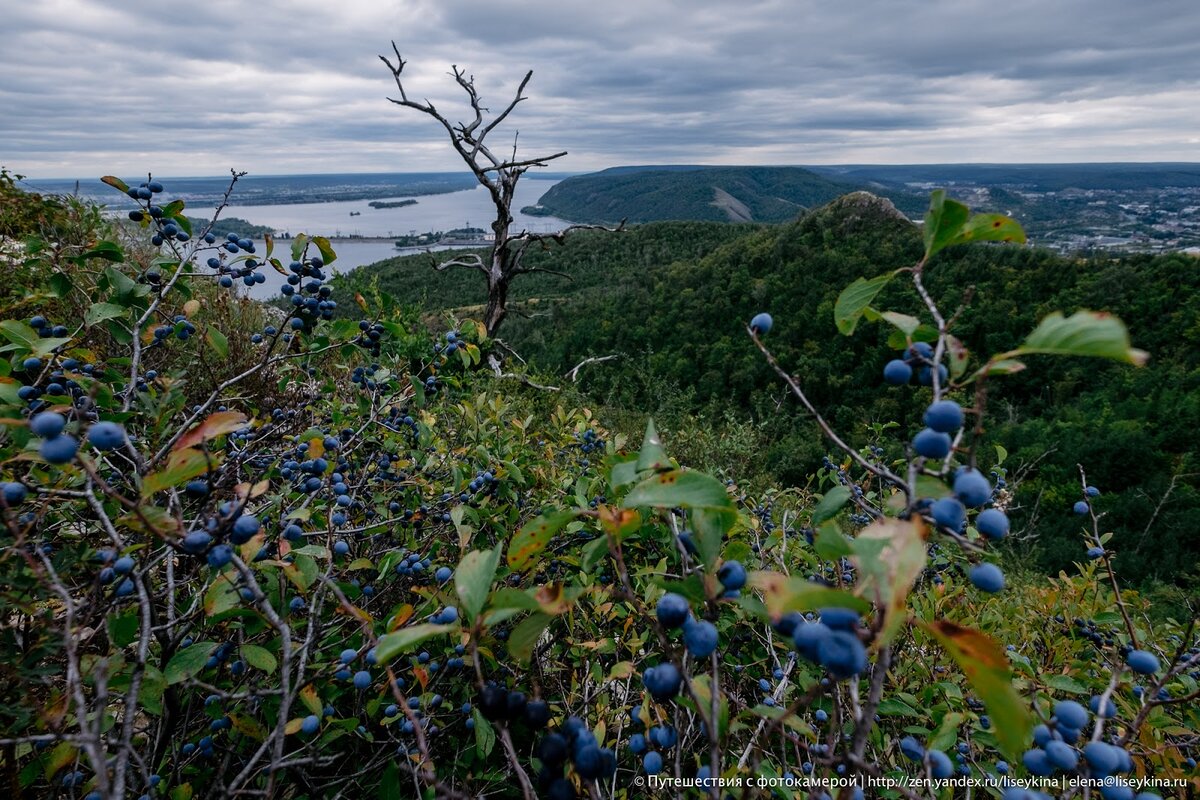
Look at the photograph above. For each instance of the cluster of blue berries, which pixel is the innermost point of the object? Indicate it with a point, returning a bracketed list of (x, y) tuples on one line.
[(918, 360), (573, 741), (832, 641), (1055, 751)]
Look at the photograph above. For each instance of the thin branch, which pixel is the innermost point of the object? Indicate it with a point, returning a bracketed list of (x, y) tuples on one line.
[(573, 373), (878, 470)]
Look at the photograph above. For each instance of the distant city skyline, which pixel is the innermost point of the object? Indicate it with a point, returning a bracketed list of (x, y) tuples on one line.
[(295, 86)]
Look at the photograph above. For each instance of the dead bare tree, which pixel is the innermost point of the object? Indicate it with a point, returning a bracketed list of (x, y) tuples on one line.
[(499, 175)]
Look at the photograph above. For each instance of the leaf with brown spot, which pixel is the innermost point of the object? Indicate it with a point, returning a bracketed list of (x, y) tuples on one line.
[(214, 425), (534, 536), (679, 488), (552, 599)]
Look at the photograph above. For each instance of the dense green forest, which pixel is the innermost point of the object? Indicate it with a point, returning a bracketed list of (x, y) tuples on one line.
[(724, 194), (672, 299)]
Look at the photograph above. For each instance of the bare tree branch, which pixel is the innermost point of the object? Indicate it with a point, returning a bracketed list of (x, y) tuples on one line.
[(499, 176), (573, 373)]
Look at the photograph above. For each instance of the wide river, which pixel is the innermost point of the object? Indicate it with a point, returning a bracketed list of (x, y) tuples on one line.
[(437, 212)]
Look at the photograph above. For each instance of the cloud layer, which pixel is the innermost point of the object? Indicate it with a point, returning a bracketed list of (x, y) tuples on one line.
[(284, 86)]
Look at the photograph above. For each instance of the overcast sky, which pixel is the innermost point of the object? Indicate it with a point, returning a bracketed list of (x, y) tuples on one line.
[(89, 87)]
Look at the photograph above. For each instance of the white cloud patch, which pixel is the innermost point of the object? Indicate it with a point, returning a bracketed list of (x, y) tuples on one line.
[(277, 86)]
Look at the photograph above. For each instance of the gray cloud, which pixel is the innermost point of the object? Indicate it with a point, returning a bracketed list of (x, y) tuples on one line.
[(276, 86)]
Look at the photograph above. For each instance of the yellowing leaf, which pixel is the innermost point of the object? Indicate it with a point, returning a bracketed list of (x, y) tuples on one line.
[(890, 555), (214, 425)]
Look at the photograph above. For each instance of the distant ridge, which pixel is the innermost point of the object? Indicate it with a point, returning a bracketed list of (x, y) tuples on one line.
[(691, 192)]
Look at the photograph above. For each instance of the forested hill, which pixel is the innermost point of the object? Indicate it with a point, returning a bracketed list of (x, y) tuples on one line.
[(719, 194), (673, 298)]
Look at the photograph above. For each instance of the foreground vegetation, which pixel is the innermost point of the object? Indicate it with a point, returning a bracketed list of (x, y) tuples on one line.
[(319, 554)]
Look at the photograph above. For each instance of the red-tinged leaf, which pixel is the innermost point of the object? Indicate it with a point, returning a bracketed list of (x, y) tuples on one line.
[(218, 424), (987, 669), (115, 182), (362, 301), (182, 465)]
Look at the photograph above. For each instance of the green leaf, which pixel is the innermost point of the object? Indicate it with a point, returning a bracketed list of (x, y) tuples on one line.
[(418, 391), (592, 553), (929, 486), (1084, 333), (784, 593), (710, 526), (109, 251), (623, 473), (19, 333), (508, 597), (944, 222), (679, 488), (44, 347), (534, 536), (221, 597), (987, 670), (854, 301), (259, 658), (123, 629), (98, 312), (908, 325), (1065, 683), (947, 732), (830, 504), (393, 644), (326, 249), (830, 543), (473, 579), (188, 662), (958, 356), (1005, 366), (115, 182), (485, 736), (217, 341), (652, 455), (124, 288), (60, 284), (298, 245), (891, 707), (524, 637)]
